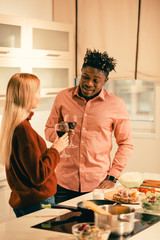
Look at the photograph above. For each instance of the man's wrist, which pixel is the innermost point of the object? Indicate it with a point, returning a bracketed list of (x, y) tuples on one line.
[(111, 178)]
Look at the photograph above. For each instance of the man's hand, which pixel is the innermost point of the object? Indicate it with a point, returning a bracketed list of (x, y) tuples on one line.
[(106, 184)]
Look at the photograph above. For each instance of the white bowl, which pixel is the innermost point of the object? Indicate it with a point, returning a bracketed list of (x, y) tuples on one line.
[(150, 206), (88, 231)]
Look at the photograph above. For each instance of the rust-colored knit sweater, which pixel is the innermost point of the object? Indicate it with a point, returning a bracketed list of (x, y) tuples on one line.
[(31, 175)]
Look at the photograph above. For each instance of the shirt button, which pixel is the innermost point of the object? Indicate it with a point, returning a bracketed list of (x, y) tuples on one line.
[(85, 114), (83, 128), (82, 141), (81, 155)]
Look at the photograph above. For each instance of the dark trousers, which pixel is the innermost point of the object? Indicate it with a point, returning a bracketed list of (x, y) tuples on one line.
[(64, 194), (23, 211)]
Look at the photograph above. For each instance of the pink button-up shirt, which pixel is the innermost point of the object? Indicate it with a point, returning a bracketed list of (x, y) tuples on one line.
[(90, 162)]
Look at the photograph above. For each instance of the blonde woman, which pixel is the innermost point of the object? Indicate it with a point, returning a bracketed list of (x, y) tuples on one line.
[(30, 165)]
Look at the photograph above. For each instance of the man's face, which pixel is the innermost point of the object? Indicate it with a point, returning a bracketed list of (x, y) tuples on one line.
[(92, 80)]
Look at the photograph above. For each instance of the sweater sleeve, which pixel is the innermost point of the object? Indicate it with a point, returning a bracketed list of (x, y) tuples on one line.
[(34, 160)]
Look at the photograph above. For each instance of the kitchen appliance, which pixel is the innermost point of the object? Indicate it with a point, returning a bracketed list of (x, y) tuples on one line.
[(121, 220), (81, 206), (64, 223)]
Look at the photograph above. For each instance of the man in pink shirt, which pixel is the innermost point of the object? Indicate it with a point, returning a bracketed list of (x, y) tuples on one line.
[(99, 113)]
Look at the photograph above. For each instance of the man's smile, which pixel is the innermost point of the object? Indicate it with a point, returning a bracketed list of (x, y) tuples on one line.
[(86, 89)]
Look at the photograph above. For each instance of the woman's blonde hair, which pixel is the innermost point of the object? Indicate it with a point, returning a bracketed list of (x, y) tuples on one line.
[(20, 94)]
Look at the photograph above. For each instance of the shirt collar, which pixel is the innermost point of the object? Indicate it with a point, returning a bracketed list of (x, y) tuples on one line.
[(101, 94), (30, 115)]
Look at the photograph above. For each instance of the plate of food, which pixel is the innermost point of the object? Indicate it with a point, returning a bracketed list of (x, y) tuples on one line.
[(124, 195), (128, 195)]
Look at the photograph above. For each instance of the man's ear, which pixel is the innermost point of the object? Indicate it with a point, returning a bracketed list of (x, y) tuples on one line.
[(106, 79)]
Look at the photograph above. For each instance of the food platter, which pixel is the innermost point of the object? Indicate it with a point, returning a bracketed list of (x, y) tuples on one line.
[(110, 195)]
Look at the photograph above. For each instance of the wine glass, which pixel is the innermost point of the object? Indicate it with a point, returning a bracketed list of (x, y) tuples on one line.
[(61, 129), (72, 122)]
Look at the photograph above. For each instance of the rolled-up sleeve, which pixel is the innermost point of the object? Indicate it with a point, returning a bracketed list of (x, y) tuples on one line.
[(123, 135)]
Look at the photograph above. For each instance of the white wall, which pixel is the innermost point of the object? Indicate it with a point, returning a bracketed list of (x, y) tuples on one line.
[(41, 9)]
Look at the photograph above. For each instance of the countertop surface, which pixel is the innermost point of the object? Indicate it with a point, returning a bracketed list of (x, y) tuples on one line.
[(20, 228)]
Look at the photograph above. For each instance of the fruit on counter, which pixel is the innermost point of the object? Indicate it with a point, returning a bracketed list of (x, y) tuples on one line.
[(131, 179)]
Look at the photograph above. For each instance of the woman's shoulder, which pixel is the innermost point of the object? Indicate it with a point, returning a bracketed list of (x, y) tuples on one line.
[(23, 129), (25, 123)]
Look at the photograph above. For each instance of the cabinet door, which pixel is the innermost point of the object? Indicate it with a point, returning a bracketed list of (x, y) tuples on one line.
[(39, 47), (12, 36), (54, 76), (51, 40), (6, 73), (8, 67)]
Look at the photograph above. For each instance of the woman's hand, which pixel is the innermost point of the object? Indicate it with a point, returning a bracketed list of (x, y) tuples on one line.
[(61, 143)]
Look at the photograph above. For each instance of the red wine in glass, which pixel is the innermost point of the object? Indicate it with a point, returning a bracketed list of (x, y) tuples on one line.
[(60, 133), (72, 122), (72, 125), (61, 129)]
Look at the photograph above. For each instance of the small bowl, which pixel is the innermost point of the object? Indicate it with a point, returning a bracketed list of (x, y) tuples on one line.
[(149, 205), (90, 231)]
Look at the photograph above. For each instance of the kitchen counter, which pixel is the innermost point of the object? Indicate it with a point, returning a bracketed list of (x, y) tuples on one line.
[(20, 228)]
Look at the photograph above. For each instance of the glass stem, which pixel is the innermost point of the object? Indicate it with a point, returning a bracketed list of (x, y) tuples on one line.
[(71, 143), (63, 152)]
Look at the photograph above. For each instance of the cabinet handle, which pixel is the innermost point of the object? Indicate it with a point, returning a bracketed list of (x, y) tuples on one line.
[(4, 52), (53, 55)]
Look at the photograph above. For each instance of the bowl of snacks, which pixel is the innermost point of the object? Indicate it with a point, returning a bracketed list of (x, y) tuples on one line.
[(150, 201), (90, 231)]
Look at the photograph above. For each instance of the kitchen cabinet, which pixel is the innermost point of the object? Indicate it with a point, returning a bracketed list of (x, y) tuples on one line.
[(40, 47), (55, 75), (12, 48)]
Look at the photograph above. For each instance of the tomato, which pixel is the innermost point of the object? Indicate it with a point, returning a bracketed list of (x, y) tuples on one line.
[(145, 190), (152, 190)]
